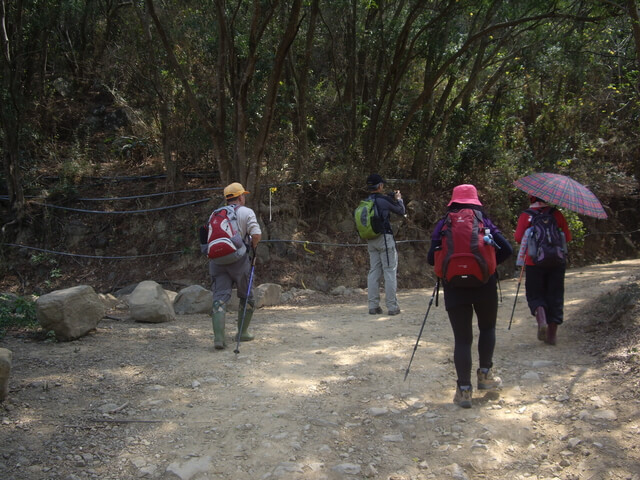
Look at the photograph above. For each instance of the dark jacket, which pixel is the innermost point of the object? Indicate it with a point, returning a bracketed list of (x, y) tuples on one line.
[(386, 204)]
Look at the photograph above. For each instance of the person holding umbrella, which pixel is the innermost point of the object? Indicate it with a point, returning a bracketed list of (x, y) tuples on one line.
[(544, 284)]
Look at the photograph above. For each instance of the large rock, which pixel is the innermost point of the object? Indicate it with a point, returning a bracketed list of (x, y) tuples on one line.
[(70, 313), (149, 303), (267, 294), (108, 300), (193, 299), (5, 371)]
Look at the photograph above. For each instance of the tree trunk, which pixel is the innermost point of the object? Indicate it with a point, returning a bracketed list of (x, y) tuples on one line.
[(11, 160), (11, 110), (284, 45), (169, 155), (217, 140), (632, 10), (302, 84)]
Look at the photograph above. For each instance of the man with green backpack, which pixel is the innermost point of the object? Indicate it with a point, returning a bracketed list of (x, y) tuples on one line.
[(372, 222)]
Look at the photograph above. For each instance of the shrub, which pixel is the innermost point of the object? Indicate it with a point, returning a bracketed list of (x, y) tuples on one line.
[(17, 312)]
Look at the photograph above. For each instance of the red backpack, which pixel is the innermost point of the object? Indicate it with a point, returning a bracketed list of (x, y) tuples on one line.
[(464, 258), (224, 244)]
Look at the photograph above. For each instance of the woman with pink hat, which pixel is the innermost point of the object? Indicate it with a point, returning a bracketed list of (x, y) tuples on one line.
[(464, 293)]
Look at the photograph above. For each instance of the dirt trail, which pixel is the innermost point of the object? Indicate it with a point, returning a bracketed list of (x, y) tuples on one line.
[(320, 395)]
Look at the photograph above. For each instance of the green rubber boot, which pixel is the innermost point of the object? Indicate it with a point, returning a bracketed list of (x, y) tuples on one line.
[(244, 335), (217, 319)]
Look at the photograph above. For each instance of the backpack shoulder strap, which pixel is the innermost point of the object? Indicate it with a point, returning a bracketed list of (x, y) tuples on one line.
[(373, 198), (230, 209), (446, 221), (219, 209)]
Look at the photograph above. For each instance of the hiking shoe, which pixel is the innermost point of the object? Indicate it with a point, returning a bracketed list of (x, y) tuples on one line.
[(375, 311), (541, 318), (394, 312), (550, 337), (542, 333), (486, 380), (463, 396)]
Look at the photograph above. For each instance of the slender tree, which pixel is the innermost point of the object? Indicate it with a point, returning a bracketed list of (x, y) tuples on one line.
[(241, 33), (25, 29)]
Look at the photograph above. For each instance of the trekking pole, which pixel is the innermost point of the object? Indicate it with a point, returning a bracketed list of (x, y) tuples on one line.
[(435, 292), (246, 300), (516, 299), (522, 257)]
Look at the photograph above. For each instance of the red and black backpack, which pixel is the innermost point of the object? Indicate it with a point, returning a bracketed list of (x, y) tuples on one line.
[(464, 258), (224, 244)]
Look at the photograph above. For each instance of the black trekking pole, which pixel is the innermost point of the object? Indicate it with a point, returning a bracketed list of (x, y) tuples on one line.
[(516, 299), (246, 301), (433, 295)]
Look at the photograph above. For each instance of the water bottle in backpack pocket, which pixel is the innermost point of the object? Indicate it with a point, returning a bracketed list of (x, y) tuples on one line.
[(546, 245)]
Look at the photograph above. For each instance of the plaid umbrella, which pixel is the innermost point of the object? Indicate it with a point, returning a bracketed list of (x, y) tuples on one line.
[(562, 191)]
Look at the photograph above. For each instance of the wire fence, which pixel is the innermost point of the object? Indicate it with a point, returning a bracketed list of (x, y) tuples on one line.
[(306, 244)]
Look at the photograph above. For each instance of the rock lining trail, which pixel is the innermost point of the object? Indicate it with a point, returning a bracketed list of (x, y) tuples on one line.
[(320, 395)]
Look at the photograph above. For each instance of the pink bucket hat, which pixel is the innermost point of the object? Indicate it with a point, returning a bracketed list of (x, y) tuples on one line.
[(465, 194)]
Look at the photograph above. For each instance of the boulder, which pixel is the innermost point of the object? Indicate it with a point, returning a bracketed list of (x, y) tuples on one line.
[(267, 294), (193, 299), (149, 303), (321, 284), (172, 295), (108, 300), (5, 370), (70, 313)]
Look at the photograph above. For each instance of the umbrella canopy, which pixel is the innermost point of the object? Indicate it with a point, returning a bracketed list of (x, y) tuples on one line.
[(562, 191)]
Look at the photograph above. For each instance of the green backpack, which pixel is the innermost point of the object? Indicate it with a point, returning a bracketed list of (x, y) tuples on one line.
[(368, 221)]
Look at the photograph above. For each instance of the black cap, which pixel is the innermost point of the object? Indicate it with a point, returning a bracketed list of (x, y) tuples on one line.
[(373, 181)]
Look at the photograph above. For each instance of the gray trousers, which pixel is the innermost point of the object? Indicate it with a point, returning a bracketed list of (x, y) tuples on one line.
[(381, 267), (225, 276)]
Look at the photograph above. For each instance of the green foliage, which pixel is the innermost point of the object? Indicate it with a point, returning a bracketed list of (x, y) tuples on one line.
[(49, 262), (578, 231), (50, 337), (413, 90), (17, 312), (43, 258)]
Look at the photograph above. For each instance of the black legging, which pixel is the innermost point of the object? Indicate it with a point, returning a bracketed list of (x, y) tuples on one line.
[(461, 318)]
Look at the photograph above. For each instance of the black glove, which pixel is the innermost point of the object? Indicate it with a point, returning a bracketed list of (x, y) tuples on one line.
[(202, 233)]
